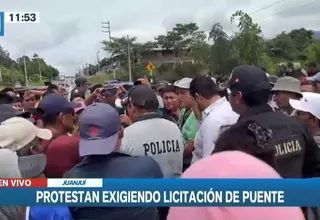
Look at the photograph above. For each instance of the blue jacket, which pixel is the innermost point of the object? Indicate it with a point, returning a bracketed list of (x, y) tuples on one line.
[(49, 213)]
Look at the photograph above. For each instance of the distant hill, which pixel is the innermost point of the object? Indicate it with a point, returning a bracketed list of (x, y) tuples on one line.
[(316, 35)]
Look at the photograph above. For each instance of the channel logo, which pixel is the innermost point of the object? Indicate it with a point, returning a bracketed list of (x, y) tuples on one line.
[(1, 24)]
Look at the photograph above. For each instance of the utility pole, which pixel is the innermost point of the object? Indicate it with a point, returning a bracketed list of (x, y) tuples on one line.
[(40, 74), (98, 62), (25, 62), (105, 25), (129, 58), (25, 70), (106, 28)]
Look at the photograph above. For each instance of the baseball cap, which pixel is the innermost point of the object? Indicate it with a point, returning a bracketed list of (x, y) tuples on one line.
[(183, 83), (142, 96), (161, 85), (315, 78), (296, 66), (99, 126), (80, 108), (247, 78), (273, 79), (287, 84), (308, 103), (53, 104), (17, 132), (32, 166)]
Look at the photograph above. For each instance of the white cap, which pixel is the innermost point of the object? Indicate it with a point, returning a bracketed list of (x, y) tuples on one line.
[(296, 66), (183, 83), (308, 103), (17, 132)]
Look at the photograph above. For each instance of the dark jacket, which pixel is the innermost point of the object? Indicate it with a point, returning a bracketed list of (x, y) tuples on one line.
[(296, 153), (166, 115), (115, 165)]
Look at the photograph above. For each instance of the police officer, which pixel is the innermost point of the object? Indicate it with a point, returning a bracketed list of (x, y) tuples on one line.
[(152, 135), (296, 153)]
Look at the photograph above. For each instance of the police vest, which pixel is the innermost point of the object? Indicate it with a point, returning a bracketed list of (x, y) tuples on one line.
[(158, 138)]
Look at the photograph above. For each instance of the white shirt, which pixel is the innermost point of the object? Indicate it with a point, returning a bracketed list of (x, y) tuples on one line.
[(218, 114)]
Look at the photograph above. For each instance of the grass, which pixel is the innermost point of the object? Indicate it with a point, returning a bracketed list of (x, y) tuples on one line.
[(100, 79)]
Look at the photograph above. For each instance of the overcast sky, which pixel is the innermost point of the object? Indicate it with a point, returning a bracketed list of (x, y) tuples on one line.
[(69, 32)]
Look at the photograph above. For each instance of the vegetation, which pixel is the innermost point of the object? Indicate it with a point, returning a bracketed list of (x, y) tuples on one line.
[(213, 52), (12, 71), (216, 51)]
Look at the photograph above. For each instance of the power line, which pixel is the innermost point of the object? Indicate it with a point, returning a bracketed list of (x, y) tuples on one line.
[(261, 9), (267, 6), (288, 9)]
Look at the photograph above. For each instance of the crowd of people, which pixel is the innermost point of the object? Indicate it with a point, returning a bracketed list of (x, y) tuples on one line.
[(256, 126)]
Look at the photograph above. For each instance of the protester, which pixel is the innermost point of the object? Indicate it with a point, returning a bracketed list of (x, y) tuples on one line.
[(171, 109), (81, 87), (24, 138), (308, 112), (312, 69), (298, 74), (217, 113), (100, 140), (316, 79), (286, 88), (188, 122), (296, 153), (29, 101), (95, 96), (109, 95), (8, 111), (232, 164), (93, 88), (18, 139), (158, 138), (77, 112), (17, 104), (57, 116), (6, 99), (272, 103), (9, 91), (309, 86)]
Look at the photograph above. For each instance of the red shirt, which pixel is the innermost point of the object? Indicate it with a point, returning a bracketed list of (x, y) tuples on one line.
[(62, 154)]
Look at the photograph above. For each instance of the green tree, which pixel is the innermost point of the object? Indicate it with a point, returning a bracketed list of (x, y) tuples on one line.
[(283, 46), (182, 36), (313, 51), (248, 41), (222, 57), (217, 52)]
